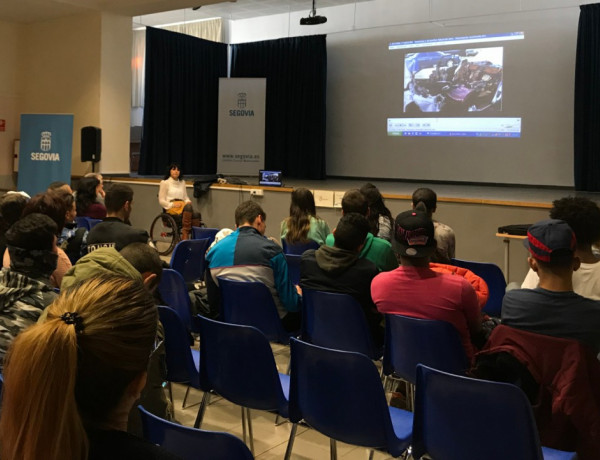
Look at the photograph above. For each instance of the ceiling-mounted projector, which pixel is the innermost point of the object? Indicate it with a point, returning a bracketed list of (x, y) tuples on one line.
[(313, 18)]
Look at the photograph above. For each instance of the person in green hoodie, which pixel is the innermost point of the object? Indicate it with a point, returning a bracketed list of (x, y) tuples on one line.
[(339, 269), (377, 250)]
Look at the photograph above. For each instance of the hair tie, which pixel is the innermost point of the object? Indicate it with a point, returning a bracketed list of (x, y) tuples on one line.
[(73, 318)]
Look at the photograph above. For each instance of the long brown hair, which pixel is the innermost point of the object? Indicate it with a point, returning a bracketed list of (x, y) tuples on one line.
[(302, 208), (61, 378)]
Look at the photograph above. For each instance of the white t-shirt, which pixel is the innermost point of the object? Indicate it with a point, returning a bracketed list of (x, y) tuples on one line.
[(586, 280)]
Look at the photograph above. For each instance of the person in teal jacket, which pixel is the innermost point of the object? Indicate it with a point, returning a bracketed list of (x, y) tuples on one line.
[(303, 224), (377, 250)]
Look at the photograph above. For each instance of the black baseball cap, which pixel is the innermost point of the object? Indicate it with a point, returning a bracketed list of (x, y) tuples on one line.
[(549, 239), (413, 234)]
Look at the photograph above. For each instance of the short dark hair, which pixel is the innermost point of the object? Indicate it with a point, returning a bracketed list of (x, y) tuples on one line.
[(247, 212), (144, 259), (354, 201), (11, 208), (168, 171), (34, 231), (351, 231), (582, 215), (50, 204), (426, 196), (116, 197)]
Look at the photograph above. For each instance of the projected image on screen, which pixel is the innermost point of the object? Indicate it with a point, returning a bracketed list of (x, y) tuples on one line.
[(453, 82), (453, 86)]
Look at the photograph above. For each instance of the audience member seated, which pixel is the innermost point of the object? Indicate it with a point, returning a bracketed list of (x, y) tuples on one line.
[(380, 217), (339, 269), (174, 199), (377, 250), (100, 193), (11, 208), (415, 290), (50, 204), (59, 186), (115, 231), (553, 308), (303, 224), (85, 368), (86, 199), (583, 216), (72, 239), (25, 288), (246, 255), (444, 235)]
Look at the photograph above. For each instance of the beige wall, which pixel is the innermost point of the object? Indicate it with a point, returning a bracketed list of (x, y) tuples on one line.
[(115, 93), (9, 98)]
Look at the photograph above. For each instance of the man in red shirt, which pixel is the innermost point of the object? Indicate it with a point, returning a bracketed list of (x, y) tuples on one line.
[(415, 290)]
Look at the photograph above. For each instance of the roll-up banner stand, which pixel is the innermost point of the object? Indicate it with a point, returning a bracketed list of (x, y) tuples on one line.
[(45, 151), (241, 142)]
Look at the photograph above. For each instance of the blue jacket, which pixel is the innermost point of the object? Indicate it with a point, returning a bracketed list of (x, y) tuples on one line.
[(246, 255)]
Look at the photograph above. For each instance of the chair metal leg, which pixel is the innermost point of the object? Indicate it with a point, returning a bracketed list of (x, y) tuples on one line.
[(288, 451), (250, 434), (185, 397), (371, 453), (202, 409), (332, 449), (171, 395), (244, 426)]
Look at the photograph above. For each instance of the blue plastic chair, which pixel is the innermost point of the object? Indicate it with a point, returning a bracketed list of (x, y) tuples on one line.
[(412, 341), (87, 222), (494, 278), (190, 443), (298, 248), (174, 293), (339, 394), (201, 233), (188, 259), (336, 321), (183, 362), (237, 362), (460, 418), (293, 261), (251, 303)]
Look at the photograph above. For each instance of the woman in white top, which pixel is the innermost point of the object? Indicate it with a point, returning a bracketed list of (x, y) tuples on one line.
[(174, 199)]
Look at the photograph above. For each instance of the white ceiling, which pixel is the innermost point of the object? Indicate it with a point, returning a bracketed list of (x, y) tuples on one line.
[(240, 9), (29, 11)]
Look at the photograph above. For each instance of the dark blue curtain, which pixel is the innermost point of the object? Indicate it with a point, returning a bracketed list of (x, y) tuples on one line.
[(587, 100), (181, 102), (296, 72)]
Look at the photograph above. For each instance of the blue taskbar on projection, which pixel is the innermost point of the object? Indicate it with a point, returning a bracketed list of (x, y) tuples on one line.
[(455, 127)]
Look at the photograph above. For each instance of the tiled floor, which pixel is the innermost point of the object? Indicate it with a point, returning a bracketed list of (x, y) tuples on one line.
[(270, 441)]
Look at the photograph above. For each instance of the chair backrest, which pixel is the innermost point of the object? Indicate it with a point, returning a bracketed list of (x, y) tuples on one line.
[(494, 278), (174, 293), (339, 393), (180, 361), (412, 341), (293, 261), (298, 248), (460, 418), (189, 259), (336, 321), (237, 362), (201, 233), (251, 303), (190, 443), (87, 222)]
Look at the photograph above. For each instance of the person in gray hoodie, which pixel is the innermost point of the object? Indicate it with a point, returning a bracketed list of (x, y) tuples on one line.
[(339, 269)]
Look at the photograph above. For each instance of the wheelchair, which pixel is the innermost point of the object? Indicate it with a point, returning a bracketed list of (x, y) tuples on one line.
[(165, 232)]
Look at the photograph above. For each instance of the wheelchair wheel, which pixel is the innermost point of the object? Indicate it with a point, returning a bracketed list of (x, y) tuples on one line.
[(164, 233)]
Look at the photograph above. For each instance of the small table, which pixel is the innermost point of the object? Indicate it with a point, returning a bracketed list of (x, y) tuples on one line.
[(506, 238)]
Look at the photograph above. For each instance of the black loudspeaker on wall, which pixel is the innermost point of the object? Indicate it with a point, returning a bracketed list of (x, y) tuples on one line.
[(91, 144)]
